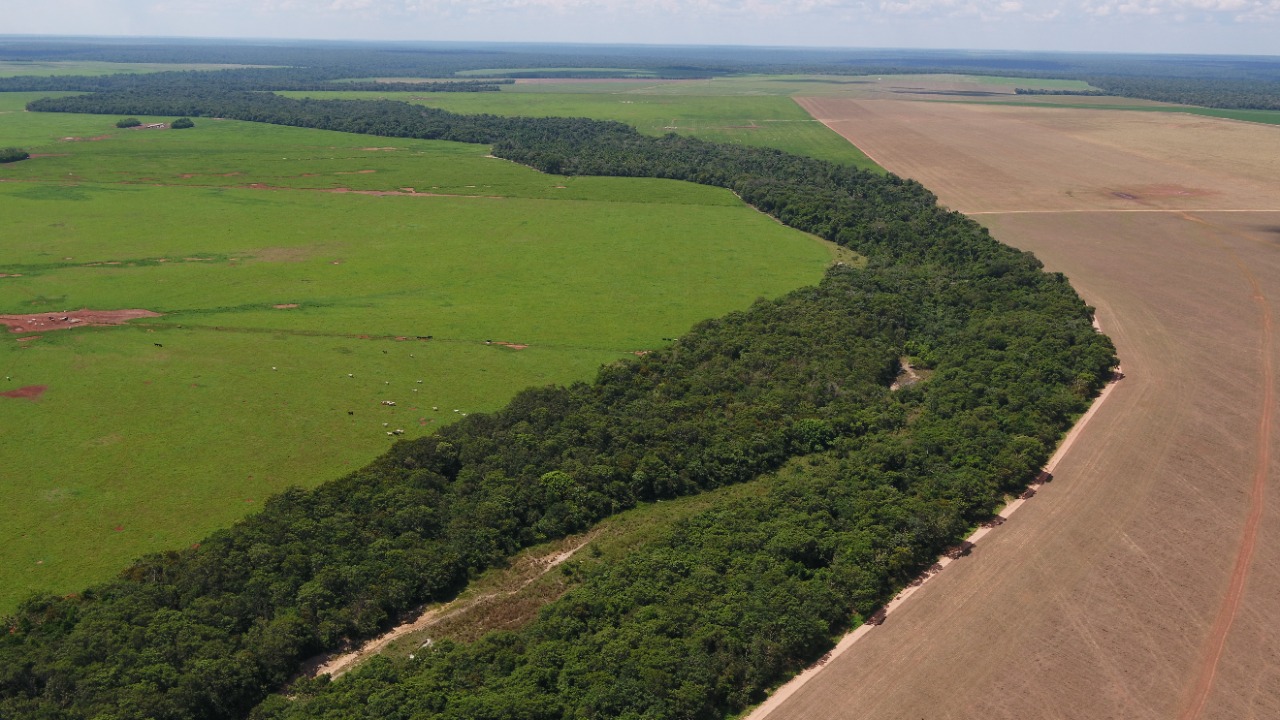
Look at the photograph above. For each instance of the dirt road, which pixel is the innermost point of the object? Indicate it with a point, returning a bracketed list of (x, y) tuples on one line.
[(1144, 582)]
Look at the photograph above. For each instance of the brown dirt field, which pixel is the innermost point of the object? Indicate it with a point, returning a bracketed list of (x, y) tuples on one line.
[(1144, 582), (65, 320), (30, 392), (984, 158)]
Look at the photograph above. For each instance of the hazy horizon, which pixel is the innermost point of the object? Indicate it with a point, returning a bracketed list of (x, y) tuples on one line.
[(1231, 27)]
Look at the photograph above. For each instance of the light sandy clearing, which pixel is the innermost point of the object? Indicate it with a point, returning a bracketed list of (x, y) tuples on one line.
[(337, 665), (1152, 562)]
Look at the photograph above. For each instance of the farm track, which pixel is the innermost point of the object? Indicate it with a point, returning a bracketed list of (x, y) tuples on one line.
[(338, 665), (1217, 640), (1144, 582)]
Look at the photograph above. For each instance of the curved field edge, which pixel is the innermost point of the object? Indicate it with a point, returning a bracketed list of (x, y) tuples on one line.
[(895, 477)]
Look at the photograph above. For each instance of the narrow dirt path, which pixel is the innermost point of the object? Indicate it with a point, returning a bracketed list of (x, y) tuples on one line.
[(1215, 643), (336, 666)]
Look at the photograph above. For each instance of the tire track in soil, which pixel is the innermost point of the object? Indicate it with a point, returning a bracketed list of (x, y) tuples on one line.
[(1215, 643)]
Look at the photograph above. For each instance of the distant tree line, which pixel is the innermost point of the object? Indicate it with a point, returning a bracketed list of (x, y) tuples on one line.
[(245, 79), (699, 623), (1217, 92), (1059, 91), (1222, 82)]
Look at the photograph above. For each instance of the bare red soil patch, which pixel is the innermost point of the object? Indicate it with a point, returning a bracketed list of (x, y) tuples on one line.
[(285, 306), (75, 318), (30, 392)]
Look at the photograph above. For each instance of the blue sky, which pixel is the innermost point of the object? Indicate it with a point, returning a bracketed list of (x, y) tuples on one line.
[(1187, 26)]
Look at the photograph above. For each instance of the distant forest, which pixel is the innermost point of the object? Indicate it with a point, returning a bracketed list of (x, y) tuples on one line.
[(700, 622), (1209, 81)]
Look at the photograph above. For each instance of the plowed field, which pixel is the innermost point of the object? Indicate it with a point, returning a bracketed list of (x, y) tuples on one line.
[(1144, 582)]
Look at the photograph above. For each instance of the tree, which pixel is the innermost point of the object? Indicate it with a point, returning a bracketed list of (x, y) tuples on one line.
[(128, 122), (182, 123), (13, 154)]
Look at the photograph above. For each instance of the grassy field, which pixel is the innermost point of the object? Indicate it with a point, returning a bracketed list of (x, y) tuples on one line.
[(153, 434), (504, 72), (45, 68), (761, 120)]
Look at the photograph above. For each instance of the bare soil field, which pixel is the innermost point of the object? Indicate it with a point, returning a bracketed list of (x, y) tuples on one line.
[(71, 319), (990, 158), (1144, 582)]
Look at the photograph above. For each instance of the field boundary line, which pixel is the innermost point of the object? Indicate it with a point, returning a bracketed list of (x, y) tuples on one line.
[(827, 122), (1120, 210), (789, 688)]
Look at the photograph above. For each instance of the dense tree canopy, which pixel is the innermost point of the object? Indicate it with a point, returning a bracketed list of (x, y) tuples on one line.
[(697, 624)]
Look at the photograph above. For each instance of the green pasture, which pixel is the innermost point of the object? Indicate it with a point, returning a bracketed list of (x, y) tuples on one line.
[(503, 72), (153, 434), (45, 68), (748, 109), (774, 121)]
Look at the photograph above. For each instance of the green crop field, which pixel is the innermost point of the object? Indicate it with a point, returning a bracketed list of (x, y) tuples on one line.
[(752, 119), (298, 273), (504, 72)]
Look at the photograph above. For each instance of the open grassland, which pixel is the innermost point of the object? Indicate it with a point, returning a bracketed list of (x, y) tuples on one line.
[(747, 109), (851, 86), (298, 274), (504, 72), (45, 68), (1143, 582), (759, 120)]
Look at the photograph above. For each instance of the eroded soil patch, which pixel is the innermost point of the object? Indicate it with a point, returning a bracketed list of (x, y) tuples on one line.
[(75, 318), (30, 392)]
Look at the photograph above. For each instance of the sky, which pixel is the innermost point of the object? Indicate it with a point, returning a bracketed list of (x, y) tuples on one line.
[(1174, 26)]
